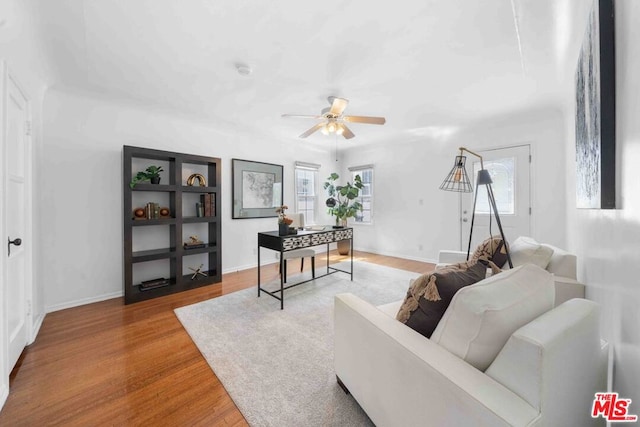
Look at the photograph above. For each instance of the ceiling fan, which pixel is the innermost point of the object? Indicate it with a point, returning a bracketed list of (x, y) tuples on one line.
[(332, 119)]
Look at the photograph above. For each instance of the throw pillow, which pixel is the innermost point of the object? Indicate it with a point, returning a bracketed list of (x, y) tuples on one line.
[(526, 250), (492, 249), (429, 295), (481, 318)]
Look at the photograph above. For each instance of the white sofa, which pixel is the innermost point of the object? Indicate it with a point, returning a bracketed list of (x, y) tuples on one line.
[(545, 374), (562, 265)]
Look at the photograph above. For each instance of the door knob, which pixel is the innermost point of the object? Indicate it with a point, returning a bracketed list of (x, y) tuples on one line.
[(16, 242), (464, 219)]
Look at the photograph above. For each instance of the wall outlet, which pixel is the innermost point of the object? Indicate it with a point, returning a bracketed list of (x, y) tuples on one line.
[(419, 247)]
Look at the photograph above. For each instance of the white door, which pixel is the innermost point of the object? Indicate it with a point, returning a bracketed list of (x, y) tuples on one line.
[(16, 200), (509, 169)]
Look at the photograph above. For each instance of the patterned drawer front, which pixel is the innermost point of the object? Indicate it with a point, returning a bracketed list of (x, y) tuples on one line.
[(319, 239), (343, 234), (291, 243), (297, 242)]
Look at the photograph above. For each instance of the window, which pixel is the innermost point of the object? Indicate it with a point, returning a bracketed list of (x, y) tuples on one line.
[(366, 193), (502, 172), (306, 177)]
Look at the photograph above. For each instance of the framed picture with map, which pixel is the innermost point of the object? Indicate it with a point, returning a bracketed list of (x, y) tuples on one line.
[(257, 189)]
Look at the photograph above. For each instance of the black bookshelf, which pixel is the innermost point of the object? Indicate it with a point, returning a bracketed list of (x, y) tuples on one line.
[(171, 228)]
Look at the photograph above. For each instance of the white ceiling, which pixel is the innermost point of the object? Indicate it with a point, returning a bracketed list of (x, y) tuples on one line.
[(428, 66)]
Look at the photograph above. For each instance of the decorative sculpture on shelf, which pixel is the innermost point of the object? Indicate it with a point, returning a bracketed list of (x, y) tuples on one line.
[(197, 271), (201, 180)]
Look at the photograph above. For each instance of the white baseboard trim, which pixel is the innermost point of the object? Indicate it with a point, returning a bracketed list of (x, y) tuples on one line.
[(248, 266), (372, 251), (35, 328), (397, 255), (84, 301), (4, 392)]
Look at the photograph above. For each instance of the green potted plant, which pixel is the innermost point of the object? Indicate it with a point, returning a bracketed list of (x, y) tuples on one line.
[(342, 201), (152, 173)]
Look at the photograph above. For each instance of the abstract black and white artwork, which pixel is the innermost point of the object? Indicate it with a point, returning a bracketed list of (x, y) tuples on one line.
[(595, 112), (256, 188)]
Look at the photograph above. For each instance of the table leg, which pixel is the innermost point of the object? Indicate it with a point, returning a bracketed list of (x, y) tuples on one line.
[(327, 258), (258, 271), (282, 282), (351, 258)]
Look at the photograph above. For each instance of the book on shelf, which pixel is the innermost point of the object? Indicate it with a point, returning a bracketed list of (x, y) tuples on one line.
[(152, 210), (194, 245), (208, 201), (153, 283)]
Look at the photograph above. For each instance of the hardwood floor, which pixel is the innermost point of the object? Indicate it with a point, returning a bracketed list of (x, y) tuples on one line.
[(110, 364)]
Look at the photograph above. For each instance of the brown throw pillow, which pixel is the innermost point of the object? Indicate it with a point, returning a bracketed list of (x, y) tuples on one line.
[(430, 294), (492, 249)]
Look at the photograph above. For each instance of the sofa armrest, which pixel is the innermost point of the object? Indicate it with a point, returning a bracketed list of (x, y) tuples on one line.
[(451, 257), (400, 377), (557, 363)]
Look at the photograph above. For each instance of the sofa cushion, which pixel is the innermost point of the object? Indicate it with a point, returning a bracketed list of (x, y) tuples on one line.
[(525, 250), (423, 308), (481, 317)]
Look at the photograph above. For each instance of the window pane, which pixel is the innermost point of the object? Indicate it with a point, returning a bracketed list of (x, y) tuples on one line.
[(502, 172), (305, 188), (366, 194)]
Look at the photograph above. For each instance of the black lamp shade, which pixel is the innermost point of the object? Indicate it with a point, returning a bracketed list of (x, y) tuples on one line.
[(484, 178)]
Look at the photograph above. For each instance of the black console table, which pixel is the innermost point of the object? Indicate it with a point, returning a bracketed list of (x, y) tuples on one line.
[(304, 239)]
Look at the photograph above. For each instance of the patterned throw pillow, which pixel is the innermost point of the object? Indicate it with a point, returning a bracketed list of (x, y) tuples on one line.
[(430, 294), (493, 250)]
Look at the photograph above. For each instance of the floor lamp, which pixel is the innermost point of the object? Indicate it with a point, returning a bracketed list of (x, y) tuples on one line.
[(458, 180)]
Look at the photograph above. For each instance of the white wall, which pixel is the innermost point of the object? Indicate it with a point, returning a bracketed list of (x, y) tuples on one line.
[(410, 210), (411, 217), (608, 241), (82, 192)]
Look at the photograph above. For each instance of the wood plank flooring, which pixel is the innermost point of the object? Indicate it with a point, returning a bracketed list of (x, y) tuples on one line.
[(110, 364)]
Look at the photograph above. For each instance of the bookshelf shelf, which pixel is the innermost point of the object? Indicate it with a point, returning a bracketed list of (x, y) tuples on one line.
[(167, 238)]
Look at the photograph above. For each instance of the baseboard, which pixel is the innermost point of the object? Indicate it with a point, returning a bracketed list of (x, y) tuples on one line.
[(398, 255), (84, 301), (35, 328), (4, 393), (371, 251), (248, 266)]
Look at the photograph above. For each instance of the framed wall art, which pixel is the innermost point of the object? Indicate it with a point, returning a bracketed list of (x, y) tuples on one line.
[(596, 112), (256, 188)]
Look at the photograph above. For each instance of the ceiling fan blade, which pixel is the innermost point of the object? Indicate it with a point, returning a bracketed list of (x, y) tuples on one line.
[(346, 132), (312, 130), (303, 116), (365, 119), (338, 105)]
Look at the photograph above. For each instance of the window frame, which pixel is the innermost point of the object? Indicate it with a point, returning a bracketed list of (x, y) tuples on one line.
[(359, 170), (307, 167)]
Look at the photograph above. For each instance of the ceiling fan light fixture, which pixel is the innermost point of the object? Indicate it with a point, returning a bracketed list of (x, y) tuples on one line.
[(331, 127), (339, 129), (324, 130)]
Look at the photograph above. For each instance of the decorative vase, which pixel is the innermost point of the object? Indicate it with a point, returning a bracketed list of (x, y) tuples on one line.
[(155, 180), (344, 246), (283, 229)]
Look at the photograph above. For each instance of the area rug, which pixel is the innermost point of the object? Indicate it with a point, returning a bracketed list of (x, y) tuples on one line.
[(277, 365)]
